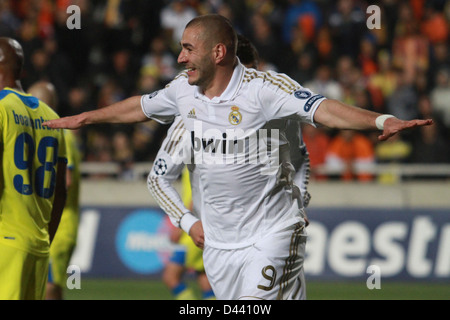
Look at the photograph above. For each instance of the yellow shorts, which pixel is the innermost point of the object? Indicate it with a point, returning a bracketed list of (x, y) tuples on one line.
[(23, 276), (60, 253), (191, 257)]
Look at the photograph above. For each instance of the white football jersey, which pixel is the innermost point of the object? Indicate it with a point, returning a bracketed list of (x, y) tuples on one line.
[(235, 141), (167, 169)]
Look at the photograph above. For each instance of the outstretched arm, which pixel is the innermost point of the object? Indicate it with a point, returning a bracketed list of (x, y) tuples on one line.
[(125, 111), (335, 114)]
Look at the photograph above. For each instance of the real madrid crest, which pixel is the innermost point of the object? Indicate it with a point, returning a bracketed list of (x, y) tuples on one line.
[(235, 117)]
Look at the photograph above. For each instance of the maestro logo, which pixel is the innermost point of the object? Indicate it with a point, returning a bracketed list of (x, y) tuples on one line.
[(142, 241)]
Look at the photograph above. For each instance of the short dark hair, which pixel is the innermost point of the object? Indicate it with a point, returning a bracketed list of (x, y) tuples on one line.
[(217, 29), (246, 52)]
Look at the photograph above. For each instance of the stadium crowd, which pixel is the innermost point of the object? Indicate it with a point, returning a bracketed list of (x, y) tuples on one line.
[(128, 47)]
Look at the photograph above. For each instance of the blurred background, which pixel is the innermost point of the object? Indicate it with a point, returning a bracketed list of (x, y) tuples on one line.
[(383, 203)]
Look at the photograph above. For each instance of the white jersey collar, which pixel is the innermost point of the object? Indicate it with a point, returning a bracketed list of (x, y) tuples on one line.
[(232, 88)]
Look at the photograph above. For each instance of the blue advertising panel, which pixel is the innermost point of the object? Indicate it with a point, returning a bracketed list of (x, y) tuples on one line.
[(404, 244), (122, 242), (343, 243)]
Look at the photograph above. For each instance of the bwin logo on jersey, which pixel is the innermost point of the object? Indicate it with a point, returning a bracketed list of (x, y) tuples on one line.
[(302, 94), (235, 117), (232, 146), (160, 167)]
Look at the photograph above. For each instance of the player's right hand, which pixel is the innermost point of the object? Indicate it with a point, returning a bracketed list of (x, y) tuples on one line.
[(72, 122)]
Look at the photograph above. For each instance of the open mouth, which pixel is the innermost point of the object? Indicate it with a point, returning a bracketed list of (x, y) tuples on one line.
[(190, 71)]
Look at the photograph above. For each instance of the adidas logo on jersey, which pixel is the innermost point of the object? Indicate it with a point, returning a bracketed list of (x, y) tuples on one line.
[(191, 114)]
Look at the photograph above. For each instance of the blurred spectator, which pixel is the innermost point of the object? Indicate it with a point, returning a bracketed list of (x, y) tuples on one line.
[(174, 18), (109, 93), (410, 49), (30, 41), (149, 79), (363, 99), (98, 147), (301, 17), (78, 99), (430, 147), (305, 67), (344, 69), (240, 16), (393, 151), (424, 107), (389, 15), (347, 22), (440, 96), (264, 39), (146, 140), (306, 32), (122, 153), (160, 56), (51, 64), (383, 83), (75, 43), (421, 82), (126, 47), (349, 75), (122, 70), (317, 142), (434, 25), (9, 23), (351, 155), (324, 84), (367, 57), (402, 102), (226, 10), (382, 36), (439, 60), (326, 49)]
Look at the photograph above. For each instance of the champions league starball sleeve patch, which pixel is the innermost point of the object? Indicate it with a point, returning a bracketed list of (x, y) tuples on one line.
[(160, 167)]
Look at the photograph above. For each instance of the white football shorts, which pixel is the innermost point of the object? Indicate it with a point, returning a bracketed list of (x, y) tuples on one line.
[(270, 269)]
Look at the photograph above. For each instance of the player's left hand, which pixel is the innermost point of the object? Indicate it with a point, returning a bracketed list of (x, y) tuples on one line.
[(393, 126), (197, 234)]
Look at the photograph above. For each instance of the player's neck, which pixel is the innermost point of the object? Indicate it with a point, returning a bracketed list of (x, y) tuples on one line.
[(9, 82), (220, 82)]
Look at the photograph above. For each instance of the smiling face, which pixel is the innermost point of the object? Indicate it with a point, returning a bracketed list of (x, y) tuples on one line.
[(197, 57)]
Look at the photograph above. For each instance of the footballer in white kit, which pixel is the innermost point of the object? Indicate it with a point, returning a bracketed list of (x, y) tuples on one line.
[(245, 206), (251, 228)]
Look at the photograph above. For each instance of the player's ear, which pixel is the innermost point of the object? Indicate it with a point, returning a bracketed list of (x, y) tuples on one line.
[(219, 52)]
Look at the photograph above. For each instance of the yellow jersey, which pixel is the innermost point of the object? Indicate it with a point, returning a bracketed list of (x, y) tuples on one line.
[(30, 153), (67, 229)]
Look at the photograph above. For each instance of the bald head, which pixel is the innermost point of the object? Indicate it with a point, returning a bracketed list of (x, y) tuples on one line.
[(44, 91), (216, 29), (11, 58)]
